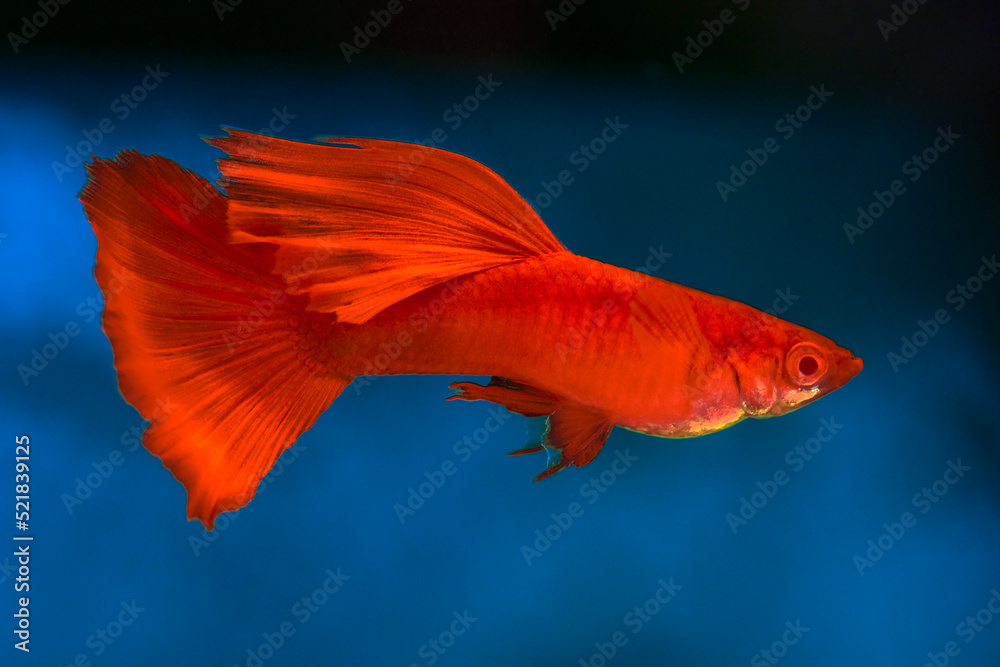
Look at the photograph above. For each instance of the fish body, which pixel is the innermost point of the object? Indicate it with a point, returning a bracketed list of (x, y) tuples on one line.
[(560, 323), (252, 310)]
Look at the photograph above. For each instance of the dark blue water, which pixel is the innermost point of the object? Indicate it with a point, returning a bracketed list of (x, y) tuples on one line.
[(879, 546)]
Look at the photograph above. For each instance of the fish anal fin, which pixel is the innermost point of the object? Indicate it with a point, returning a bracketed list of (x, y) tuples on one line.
[(516, 397), (574, 435)]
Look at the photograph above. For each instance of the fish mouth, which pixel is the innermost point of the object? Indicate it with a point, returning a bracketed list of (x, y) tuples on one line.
[(854, 366), (844, 373)]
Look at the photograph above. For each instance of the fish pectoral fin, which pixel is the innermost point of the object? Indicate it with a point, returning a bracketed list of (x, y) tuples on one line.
[(575, 435), (515, 396)]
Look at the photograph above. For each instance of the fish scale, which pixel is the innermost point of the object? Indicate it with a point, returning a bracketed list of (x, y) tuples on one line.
[(546, 299)]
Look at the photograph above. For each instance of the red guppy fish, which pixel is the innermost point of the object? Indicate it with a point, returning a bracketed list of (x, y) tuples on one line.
[(237, 318)]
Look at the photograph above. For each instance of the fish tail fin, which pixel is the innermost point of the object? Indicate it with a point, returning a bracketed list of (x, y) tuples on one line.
[(209, 345)]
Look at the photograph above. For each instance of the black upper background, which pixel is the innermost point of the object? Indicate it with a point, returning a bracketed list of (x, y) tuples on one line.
[(944, 58)]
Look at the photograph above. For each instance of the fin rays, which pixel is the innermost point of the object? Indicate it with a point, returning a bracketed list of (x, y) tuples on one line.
[(353, 237), (574, 435)]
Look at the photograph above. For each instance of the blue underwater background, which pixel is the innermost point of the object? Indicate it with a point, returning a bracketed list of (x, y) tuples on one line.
[(879, 546)]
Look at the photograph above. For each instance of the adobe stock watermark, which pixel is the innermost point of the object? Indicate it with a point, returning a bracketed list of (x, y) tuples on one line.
[(581, 158), (57, 341), (454, 117), (563, 11), (779, 648), (104, 637), (302, 611), (783, 300), (223, 7), (7, 570), (418, 322), (204, 538), (635, 620), (958, 297), (967, 629), (796, 458), (276, 124), (914, 168), (32, 23), (787, 126), (577, 336), (103, 469), (364, 34), (591, 491), (464, 450), (121, 107), (262, 309), (434, 648), (923, 501), (713, 29), (701, 381), (900, 14)]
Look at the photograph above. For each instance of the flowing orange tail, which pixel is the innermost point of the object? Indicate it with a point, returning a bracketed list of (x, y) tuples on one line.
[(203, 329), (237, 309)]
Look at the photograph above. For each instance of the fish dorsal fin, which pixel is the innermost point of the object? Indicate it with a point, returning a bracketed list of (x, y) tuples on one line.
[(574, 435), (362, 225)]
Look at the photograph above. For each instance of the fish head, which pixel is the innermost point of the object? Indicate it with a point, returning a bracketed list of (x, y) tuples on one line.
[(775, 366), (808, 366)]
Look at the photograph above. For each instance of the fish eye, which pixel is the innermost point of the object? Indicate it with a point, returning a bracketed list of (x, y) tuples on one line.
[(805, 364)]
